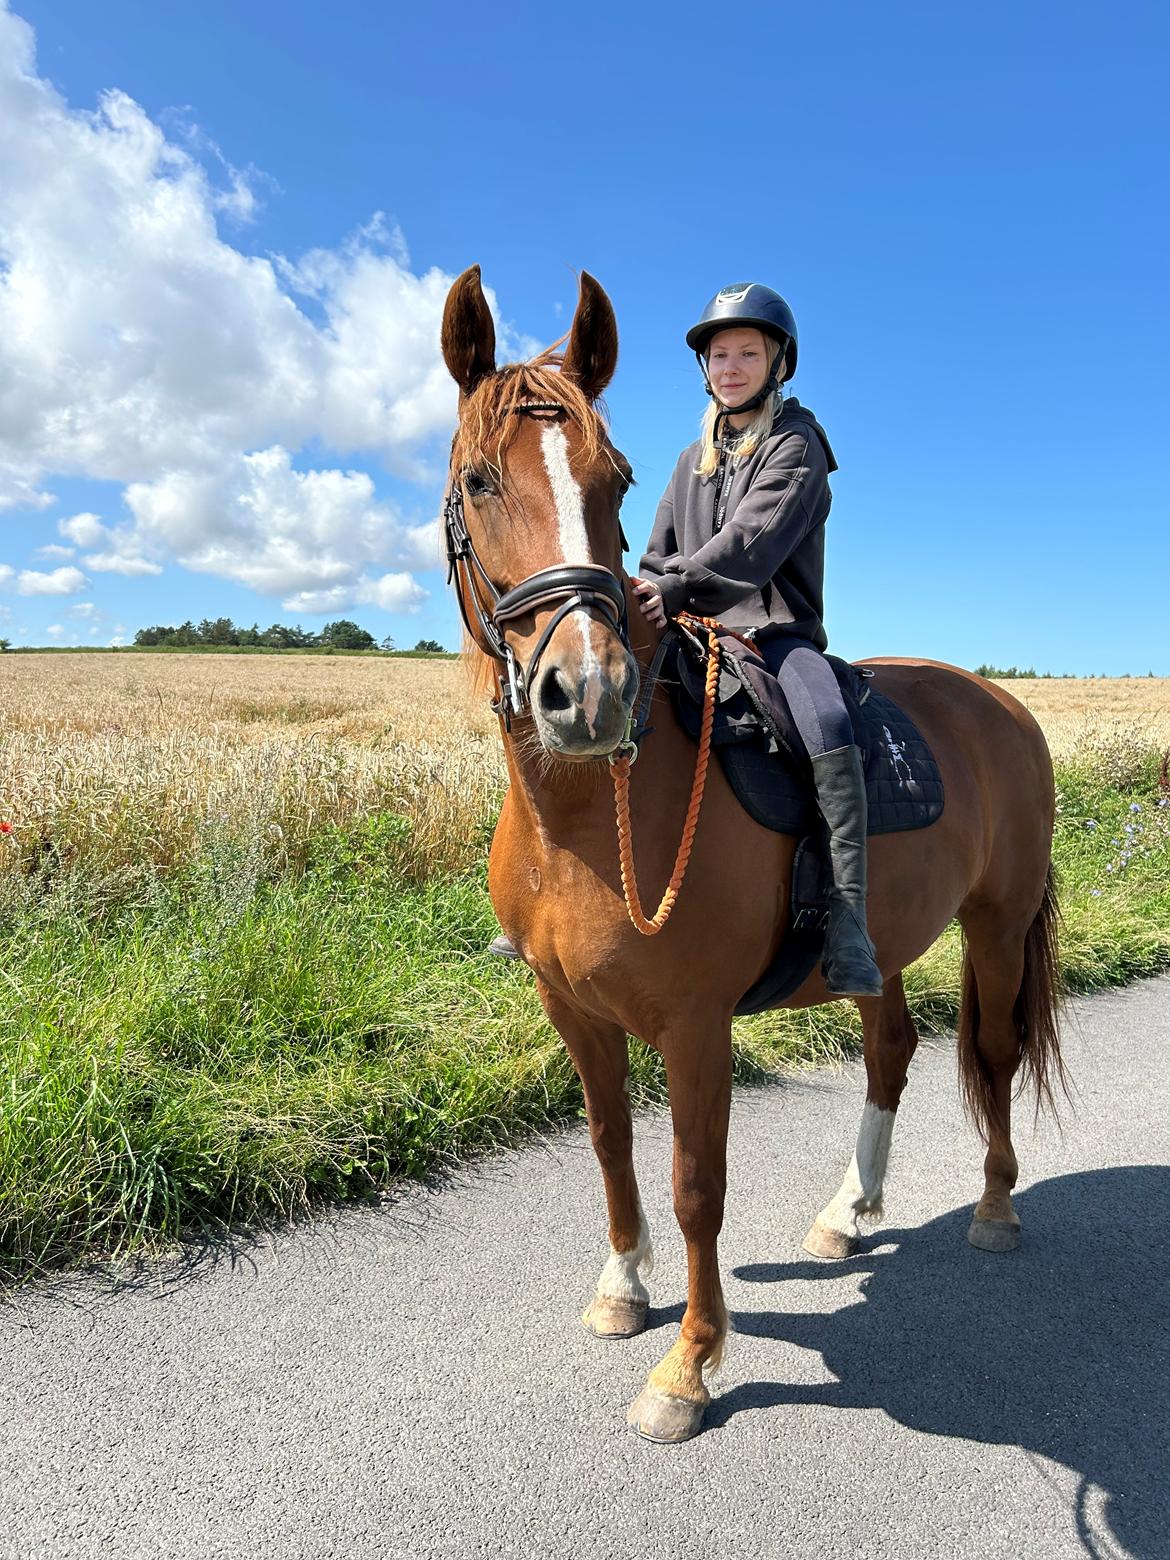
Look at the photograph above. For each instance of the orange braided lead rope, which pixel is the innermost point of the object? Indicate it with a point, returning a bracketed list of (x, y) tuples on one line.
[(620, 769)]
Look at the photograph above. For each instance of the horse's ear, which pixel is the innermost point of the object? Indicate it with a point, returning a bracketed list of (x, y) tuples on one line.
[(591, 355), (469, 337)]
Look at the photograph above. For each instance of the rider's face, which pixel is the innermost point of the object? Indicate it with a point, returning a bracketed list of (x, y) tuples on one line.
[(737, 364)]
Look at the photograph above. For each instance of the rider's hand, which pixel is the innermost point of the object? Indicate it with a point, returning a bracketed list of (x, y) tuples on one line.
[(650, 601)]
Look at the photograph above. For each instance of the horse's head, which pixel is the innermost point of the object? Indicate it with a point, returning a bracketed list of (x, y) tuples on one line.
[(532, 526)]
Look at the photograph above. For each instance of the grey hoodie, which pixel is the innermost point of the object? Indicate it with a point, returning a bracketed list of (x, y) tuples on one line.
[(762, 565)]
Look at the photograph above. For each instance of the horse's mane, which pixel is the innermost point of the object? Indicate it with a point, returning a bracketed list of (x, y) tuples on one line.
[(487, 425)]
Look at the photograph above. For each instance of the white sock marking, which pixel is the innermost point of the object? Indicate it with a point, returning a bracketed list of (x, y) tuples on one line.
[(619, 1277), (861, 1190)]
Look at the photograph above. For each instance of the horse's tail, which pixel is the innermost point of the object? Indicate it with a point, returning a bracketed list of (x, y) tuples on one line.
[(1036, 1015)]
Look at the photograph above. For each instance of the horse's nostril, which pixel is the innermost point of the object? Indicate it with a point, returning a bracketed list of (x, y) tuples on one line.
[(555, 691)]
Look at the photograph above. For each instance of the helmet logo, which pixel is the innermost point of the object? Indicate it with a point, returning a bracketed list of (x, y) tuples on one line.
[(734, 294)]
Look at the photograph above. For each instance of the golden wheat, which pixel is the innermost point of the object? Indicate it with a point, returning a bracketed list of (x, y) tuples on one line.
[(1079, 712), (132, 763)]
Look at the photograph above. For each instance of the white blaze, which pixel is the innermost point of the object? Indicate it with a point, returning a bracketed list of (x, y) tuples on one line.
[(566, 495), (570, 507)]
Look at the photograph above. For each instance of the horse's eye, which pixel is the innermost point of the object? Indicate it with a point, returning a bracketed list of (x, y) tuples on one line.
[(475, 484)]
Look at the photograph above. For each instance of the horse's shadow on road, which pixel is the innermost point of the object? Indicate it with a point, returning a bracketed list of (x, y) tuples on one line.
[(1061, 1348)]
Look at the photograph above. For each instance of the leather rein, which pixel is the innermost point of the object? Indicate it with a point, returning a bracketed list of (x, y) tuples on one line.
[(576, 587)]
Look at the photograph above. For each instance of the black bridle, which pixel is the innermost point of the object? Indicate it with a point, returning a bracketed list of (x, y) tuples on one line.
[(573, 586)]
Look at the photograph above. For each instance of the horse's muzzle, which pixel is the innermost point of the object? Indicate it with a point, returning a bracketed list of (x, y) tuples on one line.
[(583, 712)]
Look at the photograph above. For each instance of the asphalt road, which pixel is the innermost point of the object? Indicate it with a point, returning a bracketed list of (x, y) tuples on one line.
[(413, 1380)]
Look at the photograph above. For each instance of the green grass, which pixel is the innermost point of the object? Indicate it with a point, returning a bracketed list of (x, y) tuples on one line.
[(214, 1046)]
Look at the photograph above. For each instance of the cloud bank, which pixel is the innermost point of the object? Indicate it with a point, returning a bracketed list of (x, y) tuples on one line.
[(138, 346)]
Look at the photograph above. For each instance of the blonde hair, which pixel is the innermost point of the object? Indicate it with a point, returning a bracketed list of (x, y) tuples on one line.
[(750, 437)]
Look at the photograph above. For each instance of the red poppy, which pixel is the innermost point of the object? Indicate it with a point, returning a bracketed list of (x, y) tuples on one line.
[(5, 828)]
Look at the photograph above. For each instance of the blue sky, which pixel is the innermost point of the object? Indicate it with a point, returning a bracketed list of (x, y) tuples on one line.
[(966, 208)]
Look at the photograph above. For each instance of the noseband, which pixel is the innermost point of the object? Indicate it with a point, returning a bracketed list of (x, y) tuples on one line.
[(574, 586)]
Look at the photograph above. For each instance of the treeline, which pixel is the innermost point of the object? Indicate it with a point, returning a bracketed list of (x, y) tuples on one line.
[(1004, 673), (340, 635)]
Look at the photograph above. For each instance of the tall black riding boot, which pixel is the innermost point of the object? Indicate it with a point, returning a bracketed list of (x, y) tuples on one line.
[(848, 964)]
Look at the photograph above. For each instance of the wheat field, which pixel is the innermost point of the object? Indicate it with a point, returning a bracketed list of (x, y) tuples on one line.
[(133, 762), (1076, 712), (128, 761)]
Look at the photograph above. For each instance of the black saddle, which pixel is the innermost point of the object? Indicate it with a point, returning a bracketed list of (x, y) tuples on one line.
[(768, 768)]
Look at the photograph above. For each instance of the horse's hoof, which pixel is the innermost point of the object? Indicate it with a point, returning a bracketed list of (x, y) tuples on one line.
[(607, 1317), (831, 1245), (662, 1417), (994, 1234)]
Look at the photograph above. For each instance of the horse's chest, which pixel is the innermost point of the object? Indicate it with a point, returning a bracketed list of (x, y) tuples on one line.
[(556, 910)]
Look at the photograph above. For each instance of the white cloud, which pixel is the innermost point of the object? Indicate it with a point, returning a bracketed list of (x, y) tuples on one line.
[(138, 346), (123, 554), (55, 550), (121, 563), (7, 574), (55, 630), (65, 581), (84, 609), (421, 547), (298, 534), (84, 529), (392, 592)]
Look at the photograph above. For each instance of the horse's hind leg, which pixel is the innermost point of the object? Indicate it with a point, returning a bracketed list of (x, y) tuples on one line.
[(990, 1049), (600, 1054), (890, 1040)]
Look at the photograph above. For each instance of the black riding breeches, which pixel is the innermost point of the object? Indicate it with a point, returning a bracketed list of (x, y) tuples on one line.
[(811, 689)]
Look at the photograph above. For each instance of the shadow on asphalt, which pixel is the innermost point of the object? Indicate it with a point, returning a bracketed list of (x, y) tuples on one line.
[(1061, 1348)]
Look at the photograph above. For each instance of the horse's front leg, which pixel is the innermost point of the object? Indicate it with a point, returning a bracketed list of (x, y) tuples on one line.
[(670, 1406), (600, 1054)]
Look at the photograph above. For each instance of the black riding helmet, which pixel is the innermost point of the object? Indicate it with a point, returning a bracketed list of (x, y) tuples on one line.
[(747, 303)]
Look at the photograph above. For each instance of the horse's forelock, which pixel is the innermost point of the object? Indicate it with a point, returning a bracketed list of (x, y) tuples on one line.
[(488, 420)]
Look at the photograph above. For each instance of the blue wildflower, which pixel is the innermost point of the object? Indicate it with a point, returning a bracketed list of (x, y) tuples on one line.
[(1135, 807)]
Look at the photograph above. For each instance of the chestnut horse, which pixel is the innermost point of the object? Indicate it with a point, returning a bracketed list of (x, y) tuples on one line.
[(535, 547)]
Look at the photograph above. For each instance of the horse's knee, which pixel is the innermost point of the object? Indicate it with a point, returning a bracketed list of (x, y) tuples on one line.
[(698, 1204), (613, 1141)]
